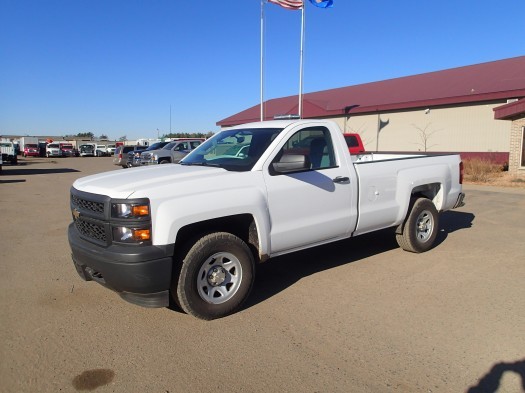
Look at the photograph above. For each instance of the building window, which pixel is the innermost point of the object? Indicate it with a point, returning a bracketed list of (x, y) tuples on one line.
[(522, 160)]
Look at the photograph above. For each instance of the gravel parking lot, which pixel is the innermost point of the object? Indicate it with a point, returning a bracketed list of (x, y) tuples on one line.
[(355, 316)]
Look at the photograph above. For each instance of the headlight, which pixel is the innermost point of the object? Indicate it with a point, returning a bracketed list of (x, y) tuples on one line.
[(131, 235), (130, 210), (155, 157)]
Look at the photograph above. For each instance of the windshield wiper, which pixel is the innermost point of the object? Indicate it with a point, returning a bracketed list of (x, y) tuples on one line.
[(204, 163)]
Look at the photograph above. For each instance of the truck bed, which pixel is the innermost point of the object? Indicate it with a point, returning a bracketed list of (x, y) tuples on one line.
[(386, 181)]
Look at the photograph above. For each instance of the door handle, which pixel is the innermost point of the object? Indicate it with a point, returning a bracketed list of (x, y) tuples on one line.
[(341, 179)]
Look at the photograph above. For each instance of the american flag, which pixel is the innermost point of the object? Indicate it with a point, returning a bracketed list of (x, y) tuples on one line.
[(289, 4)]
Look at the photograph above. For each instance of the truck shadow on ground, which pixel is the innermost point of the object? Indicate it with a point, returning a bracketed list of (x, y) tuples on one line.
[(451, 221), (279, 273), (282, 272), (29, 171)]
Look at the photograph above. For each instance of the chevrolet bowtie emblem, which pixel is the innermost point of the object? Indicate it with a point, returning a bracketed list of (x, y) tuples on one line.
[(76, 214)]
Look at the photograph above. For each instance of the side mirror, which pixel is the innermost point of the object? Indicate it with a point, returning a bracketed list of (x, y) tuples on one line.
[(291, 163)]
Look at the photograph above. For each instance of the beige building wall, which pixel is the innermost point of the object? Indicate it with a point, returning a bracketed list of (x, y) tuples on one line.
[(468, 128)]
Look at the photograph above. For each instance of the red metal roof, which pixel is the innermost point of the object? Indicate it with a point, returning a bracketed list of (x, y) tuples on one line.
[(509, 111), (496, 80)]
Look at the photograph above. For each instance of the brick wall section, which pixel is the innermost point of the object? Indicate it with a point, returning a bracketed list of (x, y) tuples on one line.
[(516, 141)]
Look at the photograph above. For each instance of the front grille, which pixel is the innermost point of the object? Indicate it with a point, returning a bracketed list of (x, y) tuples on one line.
[(145, 156), (90, 216), (95, 207), (91, 229)]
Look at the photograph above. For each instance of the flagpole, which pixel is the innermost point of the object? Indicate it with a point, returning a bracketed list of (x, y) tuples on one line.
[(262, 60), (301, 63)]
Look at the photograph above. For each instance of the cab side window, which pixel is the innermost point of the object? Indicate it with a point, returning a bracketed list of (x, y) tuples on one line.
[(182, 146), (194, 144), (315, 143)]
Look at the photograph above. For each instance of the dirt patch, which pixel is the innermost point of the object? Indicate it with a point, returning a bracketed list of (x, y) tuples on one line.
[(92, 379), (499, 179), (482, 172)]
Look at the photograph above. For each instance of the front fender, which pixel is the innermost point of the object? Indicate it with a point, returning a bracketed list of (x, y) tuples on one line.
[(173, 213)]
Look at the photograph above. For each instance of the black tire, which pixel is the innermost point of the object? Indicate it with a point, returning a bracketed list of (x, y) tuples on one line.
[(420, 227), (164, 161), (216, 276)]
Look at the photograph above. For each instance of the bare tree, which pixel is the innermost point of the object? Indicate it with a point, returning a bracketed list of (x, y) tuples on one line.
[(424, 135), (362, 131)]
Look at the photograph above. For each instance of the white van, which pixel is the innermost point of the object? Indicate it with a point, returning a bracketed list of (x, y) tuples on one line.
[(53, 150)]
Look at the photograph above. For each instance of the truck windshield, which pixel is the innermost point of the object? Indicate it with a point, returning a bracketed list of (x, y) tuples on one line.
[(233, 150), (157, 145)]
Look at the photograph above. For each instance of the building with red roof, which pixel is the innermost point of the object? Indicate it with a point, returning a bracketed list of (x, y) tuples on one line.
[(453, 110)]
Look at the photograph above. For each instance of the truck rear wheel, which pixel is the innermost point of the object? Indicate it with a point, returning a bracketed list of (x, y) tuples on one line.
[(420, 227), (216, 276)]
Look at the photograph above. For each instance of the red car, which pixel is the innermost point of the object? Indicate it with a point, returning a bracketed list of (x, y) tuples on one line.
[(67, 149), (354, 143), (31, 150)]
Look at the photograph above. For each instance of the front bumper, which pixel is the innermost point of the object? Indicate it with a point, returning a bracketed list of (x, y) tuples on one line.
[(139, 274)]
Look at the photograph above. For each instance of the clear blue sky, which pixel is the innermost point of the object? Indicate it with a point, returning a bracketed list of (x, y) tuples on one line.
[(114, 67)]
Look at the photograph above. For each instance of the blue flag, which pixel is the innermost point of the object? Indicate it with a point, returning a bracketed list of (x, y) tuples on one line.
[(323, 3)]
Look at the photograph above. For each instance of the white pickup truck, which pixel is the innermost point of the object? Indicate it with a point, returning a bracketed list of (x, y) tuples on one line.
[(195, 231)]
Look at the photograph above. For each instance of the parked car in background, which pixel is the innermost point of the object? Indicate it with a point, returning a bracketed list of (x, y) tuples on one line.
[(53, 150), (173, 152), (8, 153), (101, 151), (111, 149), (354, 143), (86, 150), (121, 156), (26, 142), (67, 149), (30, 150), (156, 146), (134, 156)]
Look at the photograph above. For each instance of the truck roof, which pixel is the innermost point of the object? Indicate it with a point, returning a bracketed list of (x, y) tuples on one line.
[(277, 123)]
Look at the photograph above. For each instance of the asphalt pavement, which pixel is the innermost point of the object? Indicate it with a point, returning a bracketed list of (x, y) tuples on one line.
[(359, 315)]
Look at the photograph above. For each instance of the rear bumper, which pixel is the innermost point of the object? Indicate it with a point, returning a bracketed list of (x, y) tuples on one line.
[(140, 275)]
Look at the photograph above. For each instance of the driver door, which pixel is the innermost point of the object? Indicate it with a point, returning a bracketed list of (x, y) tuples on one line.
[(310, 206)]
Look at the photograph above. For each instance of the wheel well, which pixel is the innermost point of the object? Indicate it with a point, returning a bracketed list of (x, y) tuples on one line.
[(242, 225), (430, 191)]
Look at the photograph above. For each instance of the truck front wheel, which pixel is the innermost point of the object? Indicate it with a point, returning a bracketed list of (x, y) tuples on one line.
[(420, 227), (216, 276)]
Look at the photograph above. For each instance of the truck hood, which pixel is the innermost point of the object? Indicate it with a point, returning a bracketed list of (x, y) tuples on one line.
[(139, 182)]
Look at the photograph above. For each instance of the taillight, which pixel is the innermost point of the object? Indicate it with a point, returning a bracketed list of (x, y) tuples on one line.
[(461, 172), (120, 155)]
